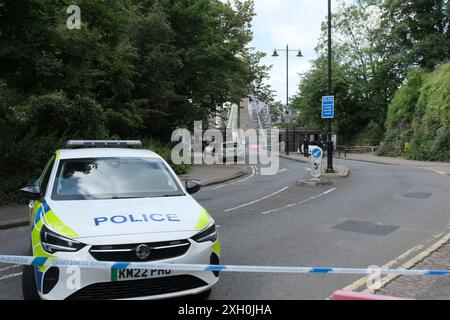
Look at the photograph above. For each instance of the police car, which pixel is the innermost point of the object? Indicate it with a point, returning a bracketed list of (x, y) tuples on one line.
[(112, 201)]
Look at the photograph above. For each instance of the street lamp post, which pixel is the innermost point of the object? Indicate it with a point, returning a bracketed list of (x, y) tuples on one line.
[(330, 92), (275, 54)]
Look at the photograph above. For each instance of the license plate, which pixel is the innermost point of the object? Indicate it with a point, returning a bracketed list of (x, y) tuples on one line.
[(136, 274)]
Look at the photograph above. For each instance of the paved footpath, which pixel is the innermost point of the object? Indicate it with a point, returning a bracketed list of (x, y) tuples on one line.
[(214, 174), (439, 167), (416, 287), (16, 216), (423, 287)]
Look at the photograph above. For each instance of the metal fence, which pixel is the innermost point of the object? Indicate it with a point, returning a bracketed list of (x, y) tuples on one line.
[(355, 149)]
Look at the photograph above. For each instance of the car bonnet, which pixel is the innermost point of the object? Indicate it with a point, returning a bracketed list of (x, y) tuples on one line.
[(97, 218)]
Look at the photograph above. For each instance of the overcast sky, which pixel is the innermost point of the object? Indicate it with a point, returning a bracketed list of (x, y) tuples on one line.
[(293, 22)]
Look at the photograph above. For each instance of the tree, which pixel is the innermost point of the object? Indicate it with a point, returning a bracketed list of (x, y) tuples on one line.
[(135, 69), (276, 111), (359, 46), (417, 31), (211, 38), (348, 112), (29, 62), (375, 44)]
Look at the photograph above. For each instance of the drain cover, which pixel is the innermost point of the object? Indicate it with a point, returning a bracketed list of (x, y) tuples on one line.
[(418, 195), (366, 227)]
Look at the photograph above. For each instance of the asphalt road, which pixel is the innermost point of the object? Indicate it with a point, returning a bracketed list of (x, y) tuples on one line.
[(269, 220)]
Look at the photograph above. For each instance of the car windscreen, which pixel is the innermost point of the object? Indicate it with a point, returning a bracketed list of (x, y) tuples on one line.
[(113, 178)]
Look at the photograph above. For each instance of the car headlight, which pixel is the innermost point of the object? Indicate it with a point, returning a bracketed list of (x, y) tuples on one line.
[(207, 234), (53, 242)]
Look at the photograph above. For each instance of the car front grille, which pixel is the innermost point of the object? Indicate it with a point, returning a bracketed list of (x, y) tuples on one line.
[(137, 288), (127, 252)]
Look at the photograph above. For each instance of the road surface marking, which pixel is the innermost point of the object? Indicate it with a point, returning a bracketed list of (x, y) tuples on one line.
[(412, 262), (213, 188), (9, 276), (434, 170), (9, 268), (239, 181), (299, 203), (409, 264), (363, 281), (282, 170), (251, 176), (257, 200)]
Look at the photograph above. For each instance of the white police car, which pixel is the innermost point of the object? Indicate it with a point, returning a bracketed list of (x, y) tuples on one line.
[(97, 202)]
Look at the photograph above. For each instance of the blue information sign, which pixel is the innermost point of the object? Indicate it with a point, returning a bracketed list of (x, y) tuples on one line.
[(328, 107)]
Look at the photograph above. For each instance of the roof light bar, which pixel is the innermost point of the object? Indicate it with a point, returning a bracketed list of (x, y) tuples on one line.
[(103, 143)]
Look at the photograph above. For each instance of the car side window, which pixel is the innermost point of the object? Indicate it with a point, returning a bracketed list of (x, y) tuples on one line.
[(45, 177)]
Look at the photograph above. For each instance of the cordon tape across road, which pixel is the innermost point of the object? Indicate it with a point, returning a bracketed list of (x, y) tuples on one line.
[(43, 261)]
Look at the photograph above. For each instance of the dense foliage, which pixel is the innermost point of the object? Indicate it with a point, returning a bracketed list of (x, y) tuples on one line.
[(135, 69), (376, 44), (418, 121)]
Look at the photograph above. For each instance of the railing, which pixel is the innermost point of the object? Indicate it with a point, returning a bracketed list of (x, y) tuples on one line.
[(355, 149)]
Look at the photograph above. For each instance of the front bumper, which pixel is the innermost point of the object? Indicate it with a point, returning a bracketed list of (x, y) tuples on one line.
[(79, 283)]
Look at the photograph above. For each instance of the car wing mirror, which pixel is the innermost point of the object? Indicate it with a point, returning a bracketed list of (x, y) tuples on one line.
[(30, 193), (193, 186)]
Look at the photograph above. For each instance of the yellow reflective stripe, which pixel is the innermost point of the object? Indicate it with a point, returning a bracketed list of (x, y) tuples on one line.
[(58, 226), (35, 237), (39, 252), (216, 246), (36, 206), (58, 152), (203, 221)]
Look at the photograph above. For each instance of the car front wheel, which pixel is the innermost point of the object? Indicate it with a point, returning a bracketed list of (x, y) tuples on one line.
[(29, 289)]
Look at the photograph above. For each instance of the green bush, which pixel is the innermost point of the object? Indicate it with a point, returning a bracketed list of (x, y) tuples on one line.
[(56, 114), (370, 136), (35, 130), (419, 117), (165, 152)]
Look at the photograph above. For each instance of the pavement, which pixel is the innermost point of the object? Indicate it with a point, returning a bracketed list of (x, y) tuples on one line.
[(215, 174), (439, 167), (13, 216), (423, 287), (16, 216)]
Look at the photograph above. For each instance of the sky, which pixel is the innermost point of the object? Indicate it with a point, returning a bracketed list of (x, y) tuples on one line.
[(293, 22)]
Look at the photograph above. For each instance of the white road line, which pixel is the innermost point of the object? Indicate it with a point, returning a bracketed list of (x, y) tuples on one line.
[(213, 188), (9, 276), (10, 267), (299, 203), (437, 171), (250, 176), (257, 200), (282, 170)]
